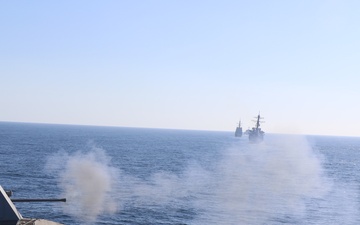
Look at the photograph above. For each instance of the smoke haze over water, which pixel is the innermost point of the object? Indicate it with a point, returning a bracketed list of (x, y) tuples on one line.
[(248, 184), (256, 184)]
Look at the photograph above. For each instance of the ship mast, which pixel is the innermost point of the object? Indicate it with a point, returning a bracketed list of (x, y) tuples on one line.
[(258, 122), (257, 128)]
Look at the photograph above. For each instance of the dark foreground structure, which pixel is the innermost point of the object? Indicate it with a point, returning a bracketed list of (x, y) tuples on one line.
[(9, 215)]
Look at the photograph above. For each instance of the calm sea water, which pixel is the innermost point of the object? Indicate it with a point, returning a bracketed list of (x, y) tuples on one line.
[(152, 176)]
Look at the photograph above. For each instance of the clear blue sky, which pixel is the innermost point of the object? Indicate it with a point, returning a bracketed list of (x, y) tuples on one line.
[(183, 64)]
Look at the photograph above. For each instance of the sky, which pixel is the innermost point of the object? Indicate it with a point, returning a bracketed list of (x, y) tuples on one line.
[(181, 64)]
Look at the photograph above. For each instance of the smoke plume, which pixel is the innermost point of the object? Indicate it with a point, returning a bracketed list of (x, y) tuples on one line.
[(87, 181)]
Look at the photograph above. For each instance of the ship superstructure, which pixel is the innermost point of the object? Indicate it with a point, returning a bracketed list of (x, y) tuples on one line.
[(256, 135)]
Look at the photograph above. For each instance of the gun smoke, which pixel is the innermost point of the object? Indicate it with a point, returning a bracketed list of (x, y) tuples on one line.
[(87, 181), (249, 184)]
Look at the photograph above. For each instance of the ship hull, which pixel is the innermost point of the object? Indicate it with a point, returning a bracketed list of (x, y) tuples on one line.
[(238, 132)]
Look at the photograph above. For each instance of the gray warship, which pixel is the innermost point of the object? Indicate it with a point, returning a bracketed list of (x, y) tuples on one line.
[(9, 215), (256, 135), (238, 131)]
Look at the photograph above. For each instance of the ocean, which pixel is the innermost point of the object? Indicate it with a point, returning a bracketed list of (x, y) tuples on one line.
[(117, 175)]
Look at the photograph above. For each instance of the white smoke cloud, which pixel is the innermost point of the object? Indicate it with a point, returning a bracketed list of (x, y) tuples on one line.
[(256, 184), (87, 181), (249, 184)]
